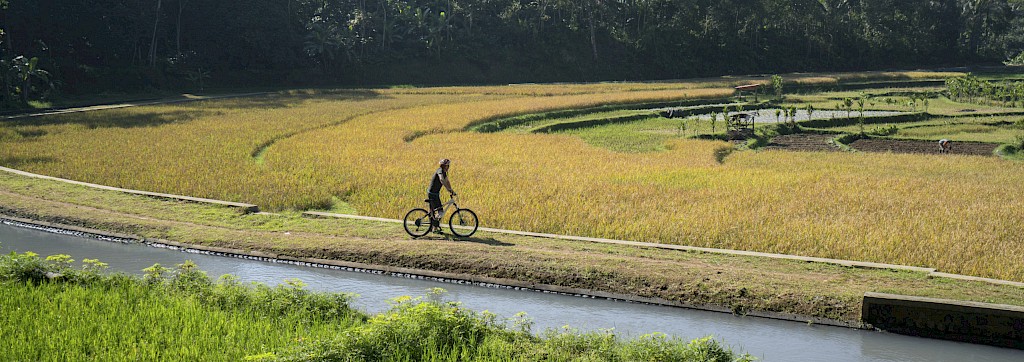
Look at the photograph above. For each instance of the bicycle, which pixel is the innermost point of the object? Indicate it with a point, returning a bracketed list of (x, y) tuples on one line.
[(418, 222)]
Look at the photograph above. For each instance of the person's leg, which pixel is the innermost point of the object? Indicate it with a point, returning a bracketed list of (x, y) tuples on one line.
[(435, 204)]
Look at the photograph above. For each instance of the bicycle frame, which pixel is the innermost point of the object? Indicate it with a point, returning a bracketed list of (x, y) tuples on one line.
[(419, 221), (444, 208)]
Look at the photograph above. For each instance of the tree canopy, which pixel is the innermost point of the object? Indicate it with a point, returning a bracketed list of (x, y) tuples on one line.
[(152, 43)]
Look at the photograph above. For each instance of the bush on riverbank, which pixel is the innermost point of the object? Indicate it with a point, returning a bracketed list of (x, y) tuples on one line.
[(66, 313), (60, 312), (422, 330)]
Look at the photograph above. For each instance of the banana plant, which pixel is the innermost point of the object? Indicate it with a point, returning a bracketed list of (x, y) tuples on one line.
[(197, 76), (25, 71)]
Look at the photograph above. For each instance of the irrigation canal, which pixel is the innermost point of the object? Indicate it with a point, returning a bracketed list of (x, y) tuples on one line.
[(769, 340)]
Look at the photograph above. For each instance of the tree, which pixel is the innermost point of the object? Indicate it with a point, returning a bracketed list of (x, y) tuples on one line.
[(982, 20), (777, 86), (25, 71), (323, 42), (6, 79), (5, 68), (507, 40), (156, 25), (177, 33)]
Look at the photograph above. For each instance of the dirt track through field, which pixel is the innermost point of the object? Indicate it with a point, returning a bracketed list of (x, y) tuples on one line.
[(802, 142), (927, 147)]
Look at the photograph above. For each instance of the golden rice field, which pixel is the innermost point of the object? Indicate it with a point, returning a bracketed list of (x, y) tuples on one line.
[(375, 149)]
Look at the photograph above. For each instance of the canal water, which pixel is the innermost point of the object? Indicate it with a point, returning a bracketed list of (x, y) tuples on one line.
[(767, 339)]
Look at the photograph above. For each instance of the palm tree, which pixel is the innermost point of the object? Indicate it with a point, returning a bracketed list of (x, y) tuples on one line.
[(323, 42)]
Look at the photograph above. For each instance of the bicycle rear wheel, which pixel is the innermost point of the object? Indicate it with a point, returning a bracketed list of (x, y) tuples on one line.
[(463, 222), (417, 222)]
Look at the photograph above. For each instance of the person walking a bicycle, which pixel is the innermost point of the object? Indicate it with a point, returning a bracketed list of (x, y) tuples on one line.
[(440, 178)]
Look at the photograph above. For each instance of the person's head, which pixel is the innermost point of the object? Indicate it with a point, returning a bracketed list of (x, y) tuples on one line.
[(444, 163)]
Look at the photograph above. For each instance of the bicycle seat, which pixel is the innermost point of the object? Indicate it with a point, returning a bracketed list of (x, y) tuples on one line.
[(427, 200)]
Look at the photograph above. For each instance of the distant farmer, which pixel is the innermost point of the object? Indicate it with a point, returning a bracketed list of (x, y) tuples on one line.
[(439, 179), (945, 146)]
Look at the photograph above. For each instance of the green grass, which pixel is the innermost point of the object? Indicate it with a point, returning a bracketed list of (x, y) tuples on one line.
[(527, 127), (999, 76), (181, 315), (87, 316), (894, 100), (648, 135)]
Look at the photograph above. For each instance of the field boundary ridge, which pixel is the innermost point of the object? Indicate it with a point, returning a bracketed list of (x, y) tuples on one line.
[(932, 272)]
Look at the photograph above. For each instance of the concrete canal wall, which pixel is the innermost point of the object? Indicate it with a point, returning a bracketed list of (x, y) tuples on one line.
[(984, 323)]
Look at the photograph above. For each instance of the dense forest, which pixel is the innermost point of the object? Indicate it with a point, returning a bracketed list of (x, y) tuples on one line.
[(77, 46)]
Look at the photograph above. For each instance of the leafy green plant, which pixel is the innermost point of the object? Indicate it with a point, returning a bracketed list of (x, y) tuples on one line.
[(178, 317), (714, 120), (777, 86), (155, 273), (27, 267), (885, 131), (860, 104), (197, 77), (60, 262), (1017, 60), (428, 328)]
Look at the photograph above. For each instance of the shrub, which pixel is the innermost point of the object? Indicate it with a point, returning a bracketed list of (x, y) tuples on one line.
[(1017, 60), (178, 315), (885, 131), (418, 329), (27, 267)]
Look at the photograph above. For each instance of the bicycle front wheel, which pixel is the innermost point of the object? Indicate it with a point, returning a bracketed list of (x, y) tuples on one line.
[(417, 222), (463, 222)]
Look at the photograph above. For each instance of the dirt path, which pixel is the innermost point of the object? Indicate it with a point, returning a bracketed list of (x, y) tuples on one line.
[(925, 147), (802, 142), (179, 99)]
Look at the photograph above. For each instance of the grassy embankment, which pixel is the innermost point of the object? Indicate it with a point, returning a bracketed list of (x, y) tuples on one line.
[(58, 312), (742, 284)]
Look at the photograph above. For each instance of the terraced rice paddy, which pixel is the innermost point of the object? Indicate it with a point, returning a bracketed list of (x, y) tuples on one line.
[(373, 150)]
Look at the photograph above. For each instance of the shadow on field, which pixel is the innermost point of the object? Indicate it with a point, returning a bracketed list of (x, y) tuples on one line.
[(120, 118), (486, 241), (19, 162), (296, 98)]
